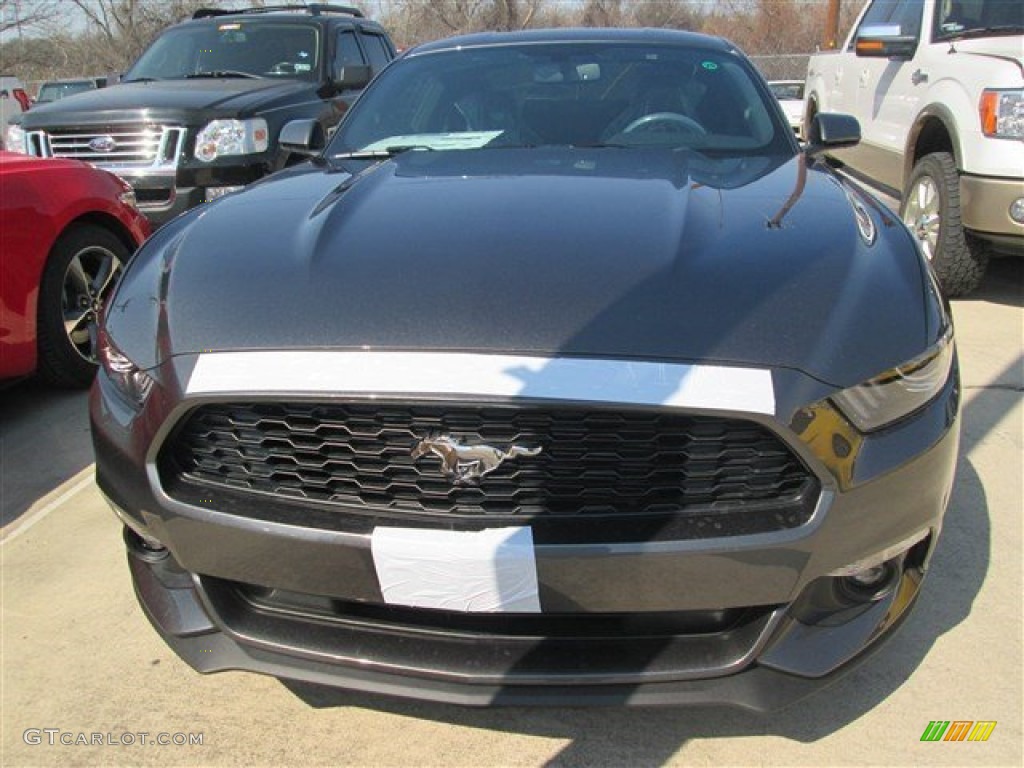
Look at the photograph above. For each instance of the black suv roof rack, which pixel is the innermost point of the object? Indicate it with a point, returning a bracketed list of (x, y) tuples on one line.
[(313, 9)]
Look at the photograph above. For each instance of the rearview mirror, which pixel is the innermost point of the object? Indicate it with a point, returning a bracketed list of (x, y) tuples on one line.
[(301, 137), (831, 130), (353, 77)]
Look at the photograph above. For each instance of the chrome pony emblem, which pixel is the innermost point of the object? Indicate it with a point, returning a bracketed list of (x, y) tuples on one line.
[(103, 144), (466, 464)]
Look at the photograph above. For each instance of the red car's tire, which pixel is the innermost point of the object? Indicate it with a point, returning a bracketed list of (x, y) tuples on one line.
[(80, 273)]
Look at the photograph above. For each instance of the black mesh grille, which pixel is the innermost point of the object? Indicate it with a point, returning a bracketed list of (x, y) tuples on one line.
[(593, 461)]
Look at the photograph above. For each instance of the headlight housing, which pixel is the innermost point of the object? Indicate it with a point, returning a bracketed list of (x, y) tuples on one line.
[(1002, 113), (900, 391), (127, 195), (220, 138), (14, 138), (131, 382)]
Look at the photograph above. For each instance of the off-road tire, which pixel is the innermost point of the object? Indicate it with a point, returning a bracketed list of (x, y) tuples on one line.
[(959, 260)]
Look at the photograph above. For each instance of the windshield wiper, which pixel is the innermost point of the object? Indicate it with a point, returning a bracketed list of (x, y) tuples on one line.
[(602, 145), (141, 80), (380, 154), (223, 73)]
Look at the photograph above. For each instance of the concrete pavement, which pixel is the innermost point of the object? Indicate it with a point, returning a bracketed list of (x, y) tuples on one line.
[(78, 655)]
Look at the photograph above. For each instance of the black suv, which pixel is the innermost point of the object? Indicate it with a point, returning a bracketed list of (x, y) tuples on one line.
[(199, 114)]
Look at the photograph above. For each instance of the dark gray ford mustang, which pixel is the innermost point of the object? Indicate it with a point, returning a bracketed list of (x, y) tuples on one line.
[(562, 375)]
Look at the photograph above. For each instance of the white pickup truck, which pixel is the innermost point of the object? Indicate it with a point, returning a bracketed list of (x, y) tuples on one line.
[(938, 88)]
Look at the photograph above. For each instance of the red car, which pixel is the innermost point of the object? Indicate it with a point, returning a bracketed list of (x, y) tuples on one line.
[(66, 232)]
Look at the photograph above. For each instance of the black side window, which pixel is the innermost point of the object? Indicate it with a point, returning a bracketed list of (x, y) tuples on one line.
[(347, 53), (377, 50), (903, 14)]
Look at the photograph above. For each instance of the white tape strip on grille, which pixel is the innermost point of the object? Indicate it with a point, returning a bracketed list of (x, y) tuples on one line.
[(453, 374)]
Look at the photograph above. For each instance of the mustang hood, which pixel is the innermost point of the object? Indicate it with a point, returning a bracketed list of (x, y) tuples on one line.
[(163, 99), (597, 253)]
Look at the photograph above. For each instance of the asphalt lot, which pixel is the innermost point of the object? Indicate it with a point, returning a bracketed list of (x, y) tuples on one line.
[(78, 655)]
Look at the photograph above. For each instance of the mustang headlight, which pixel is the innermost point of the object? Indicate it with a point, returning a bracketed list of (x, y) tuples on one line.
[(900, 391), (132, 383), (1002, 113), (14, 139), (231, 137)]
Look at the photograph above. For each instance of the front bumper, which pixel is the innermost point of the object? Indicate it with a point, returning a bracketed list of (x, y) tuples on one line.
[(752, 621), (986, 210), (198, 623), (162, 197)]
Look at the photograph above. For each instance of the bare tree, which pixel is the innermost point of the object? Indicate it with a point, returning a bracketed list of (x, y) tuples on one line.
[(416, 22), (128, 26), (116, 31), (25, 15), (769, 26), (602, 13), (673, 14)]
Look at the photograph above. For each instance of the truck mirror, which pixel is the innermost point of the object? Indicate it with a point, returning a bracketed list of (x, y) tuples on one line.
[(885, 41)]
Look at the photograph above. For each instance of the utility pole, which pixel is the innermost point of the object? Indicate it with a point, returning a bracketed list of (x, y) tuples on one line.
[(830, 37)]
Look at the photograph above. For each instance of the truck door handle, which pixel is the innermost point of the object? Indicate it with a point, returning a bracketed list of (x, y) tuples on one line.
[(919, 77)]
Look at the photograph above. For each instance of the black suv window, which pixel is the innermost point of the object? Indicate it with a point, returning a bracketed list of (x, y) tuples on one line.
[(377, 50), (232, 48), (347, 53)]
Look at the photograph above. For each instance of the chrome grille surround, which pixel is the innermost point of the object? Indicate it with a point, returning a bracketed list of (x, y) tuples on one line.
[(138, 147)]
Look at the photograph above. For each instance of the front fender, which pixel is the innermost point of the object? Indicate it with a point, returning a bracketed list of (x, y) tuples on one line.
[(941, 113)]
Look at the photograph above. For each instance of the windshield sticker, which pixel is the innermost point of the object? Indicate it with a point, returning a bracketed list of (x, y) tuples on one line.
[(228, 27), (710, 66), (301, 67), (464, 140)]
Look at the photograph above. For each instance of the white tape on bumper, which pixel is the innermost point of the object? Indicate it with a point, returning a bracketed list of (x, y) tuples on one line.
[(386, 374), (489, 571)]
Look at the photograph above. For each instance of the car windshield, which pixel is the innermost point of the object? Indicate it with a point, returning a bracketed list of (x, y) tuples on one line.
[(576, 94), (231, 49), (788, 91), (959, 19), (55, 91)]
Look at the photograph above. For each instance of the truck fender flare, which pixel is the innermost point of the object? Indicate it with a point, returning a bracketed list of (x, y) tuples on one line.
[(937, 112)]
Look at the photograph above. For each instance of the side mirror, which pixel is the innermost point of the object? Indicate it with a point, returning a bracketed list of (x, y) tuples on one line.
[(353, 77), (885, 41), (302, 137), (831, 130)]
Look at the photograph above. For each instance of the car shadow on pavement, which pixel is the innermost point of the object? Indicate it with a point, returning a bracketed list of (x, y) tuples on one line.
[(651, 736), (1003, 283), (44, 441)]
